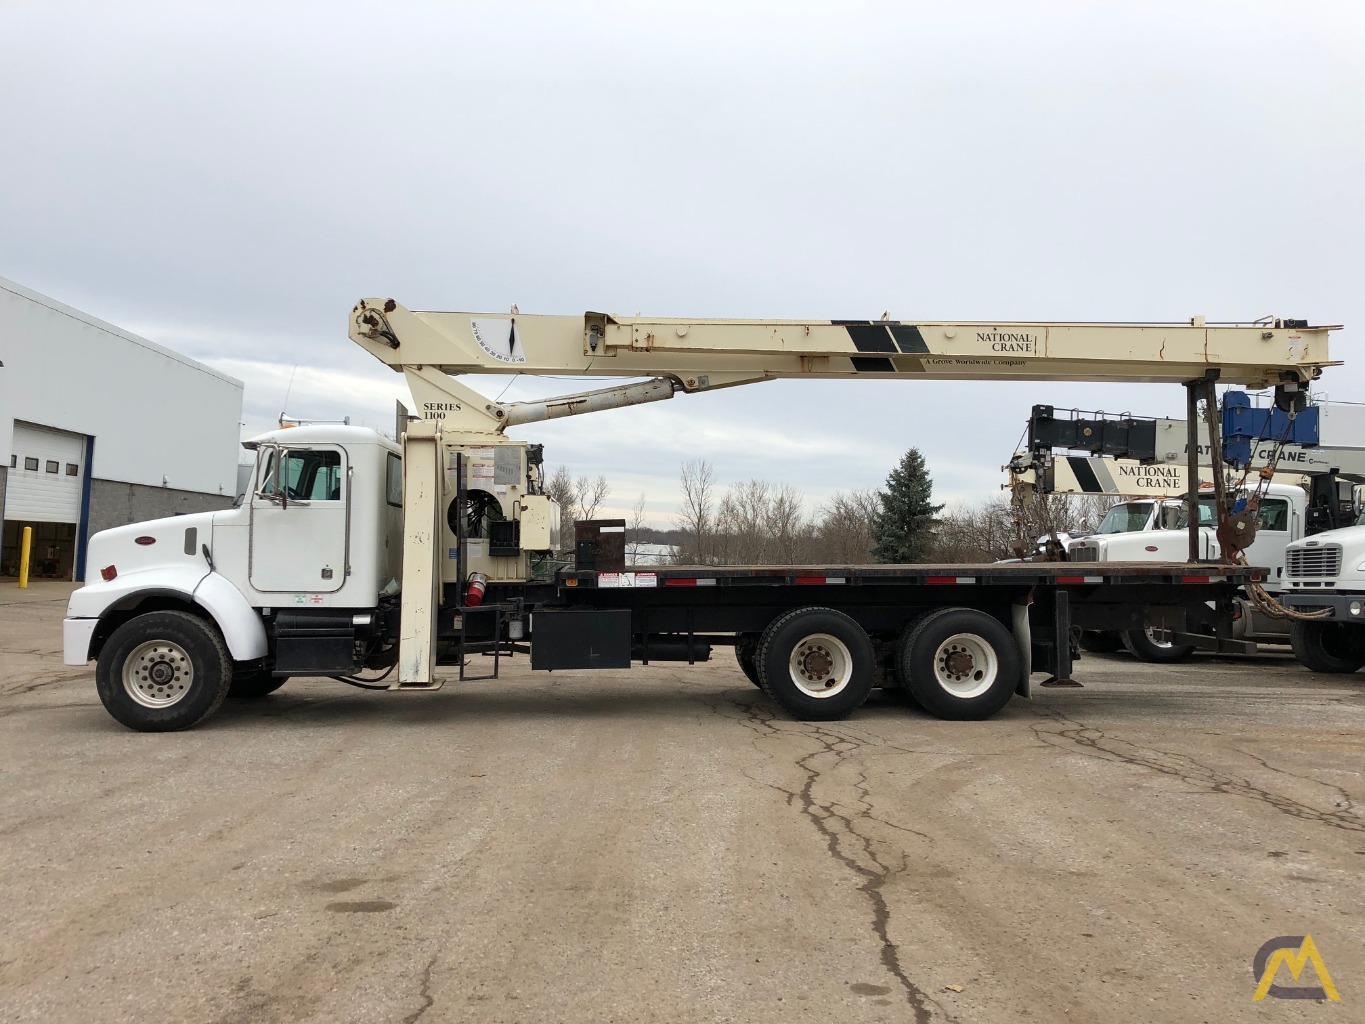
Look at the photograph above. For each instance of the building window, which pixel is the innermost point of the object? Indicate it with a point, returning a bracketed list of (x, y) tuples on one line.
[(31, 463), (53, 466), (72, 469)]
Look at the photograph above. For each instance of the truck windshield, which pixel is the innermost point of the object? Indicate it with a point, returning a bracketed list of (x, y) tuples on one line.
[(1126, 518)]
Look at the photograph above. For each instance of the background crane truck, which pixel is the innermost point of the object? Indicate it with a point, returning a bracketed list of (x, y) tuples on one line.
[(1312, 490), (348, 555)]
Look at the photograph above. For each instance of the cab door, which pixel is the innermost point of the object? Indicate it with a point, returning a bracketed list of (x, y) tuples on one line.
[(1273, 534), (300, 514)]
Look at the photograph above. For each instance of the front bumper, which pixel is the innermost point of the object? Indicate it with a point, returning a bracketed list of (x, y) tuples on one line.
[(1340, 604), (76, 636)]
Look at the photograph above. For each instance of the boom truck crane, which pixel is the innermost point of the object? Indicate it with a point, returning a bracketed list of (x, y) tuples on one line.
[(351, 555), (1145, 461)]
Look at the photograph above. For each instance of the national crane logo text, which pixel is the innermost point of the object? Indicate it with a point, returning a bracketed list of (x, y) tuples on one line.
[(1001, 341)]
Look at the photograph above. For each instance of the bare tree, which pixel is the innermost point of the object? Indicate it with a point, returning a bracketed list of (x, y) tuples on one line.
[(743, 521), (997, 528), (697, 518), (844, 527), (785, 525), (589, 496), (560, 488), (637, 525)]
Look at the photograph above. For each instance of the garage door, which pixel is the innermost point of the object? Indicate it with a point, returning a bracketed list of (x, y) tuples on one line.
[(46, 470)]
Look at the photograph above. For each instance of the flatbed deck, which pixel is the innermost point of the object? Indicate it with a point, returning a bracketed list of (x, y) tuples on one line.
[(1015, 574)]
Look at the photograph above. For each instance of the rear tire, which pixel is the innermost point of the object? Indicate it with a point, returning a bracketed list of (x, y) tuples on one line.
[(163, 671), (960, 664), (900, 659), (1142, 645), (255, 685), (816, 663), (1328, 646), (746, 653), (1098, 641)]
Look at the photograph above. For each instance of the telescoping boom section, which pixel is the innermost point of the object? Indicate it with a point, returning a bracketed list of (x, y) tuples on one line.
[(694, 354)]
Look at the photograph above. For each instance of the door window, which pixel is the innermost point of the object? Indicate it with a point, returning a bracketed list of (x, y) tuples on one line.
[(1274, 514), (302, 474)]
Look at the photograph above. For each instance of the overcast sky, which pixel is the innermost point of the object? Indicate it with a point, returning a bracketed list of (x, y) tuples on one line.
[(229, 179)]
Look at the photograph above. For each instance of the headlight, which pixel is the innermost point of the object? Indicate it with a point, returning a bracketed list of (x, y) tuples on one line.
[(1356, 607)]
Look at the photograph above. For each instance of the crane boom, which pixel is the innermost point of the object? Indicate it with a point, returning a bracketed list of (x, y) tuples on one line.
[(702, 354)]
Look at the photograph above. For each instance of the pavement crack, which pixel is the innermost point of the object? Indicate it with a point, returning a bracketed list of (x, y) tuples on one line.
[(873, 861), (425, 993), (1347, 801), (1096, 743)]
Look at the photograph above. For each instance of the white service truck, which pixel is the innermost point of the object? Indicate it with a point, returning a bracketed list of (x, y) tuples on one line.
[(350, 555), (1157, 529), (1325, 575)]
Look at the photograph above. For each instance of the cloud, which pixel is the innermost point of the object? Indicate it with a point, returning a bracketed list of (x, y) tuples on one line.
[(231, 192)]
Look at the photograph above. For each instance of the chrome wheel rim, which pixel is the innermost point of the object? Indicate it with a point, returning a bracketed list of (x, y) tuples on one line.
[(821, 665), (1159, 637), (965, 665), (157, 674)]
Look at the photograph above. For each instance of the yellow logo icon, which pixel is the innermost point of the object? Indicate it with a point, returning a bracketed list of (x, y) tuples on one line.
[(1295, 952)]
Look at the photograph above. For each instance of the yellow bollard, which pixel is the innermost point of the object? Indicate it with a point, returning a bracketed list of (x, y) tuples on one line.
[(24, 548)]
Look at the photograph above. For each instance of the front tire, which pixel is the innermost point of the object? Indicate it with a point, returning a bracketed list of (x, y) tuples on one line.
[(1146, 645), (1328, 646), (960, 664), (816, 663), (163, 671)]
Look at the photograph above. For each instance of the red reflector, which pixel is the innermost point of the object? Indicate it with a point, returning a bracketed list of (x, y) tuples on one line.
[(810, 579), (1150, 547), (680, 583), (108, 573), (940, 579), (1070, 579), (144, 540), (1194, 579)]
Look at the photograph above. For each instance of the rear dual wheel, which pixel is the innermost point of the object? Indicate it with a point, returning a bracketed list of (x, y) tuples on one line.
[(746, 653), (958, 663), (817, 663)]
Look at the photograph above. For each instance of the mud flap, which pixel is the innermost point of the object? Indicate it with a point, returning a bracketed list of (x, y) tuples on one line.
[(1023, 640)]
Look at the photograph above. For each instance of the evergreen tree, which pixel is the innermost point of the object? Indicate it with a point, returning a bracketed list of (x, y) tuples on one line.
[(903, 530)]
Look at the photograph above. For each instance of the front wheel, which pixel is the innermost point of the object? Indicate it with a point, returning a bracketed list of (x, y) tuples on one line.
[(1154, 646), (817, 663), (163, 671), (1328, 646), (960, 663)]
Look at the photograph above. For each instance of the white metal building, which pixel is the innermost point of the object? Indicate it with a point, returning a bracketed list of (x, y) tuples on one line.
[(99, 427)]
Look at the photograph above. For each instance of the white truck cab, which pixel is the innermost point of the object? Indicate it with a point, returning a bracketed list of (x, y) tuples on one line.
[(1156, 529), (1325, 574), (283, 583)]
